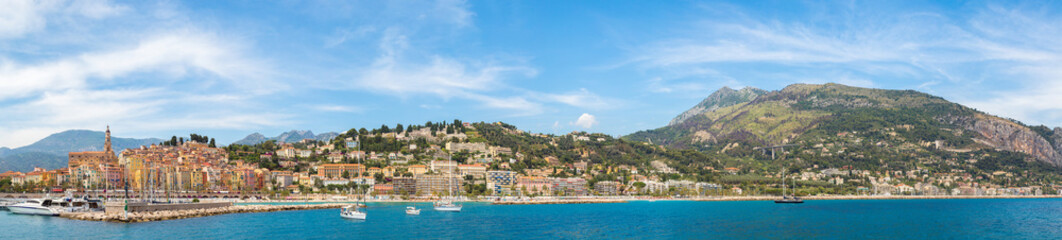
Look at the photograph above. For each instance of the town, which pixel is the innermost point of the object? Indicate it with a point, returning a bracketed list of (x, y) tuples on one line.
[(453, 158)]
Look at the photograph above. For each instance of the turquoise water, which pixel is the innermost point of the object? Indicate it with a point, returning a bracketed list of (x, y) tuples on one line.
[(837, 219)]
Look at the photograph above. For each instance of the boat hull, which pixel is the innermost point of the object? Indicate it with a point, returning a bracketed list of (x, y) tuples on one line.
[(32, 210), (354, 215), (448, 208), (413, 212), (788, 201)]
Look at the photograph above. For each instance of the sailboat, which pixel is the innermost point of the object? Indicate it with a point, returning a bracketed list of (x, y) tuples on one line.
[(447, 205), (352, 211), (786, 198)]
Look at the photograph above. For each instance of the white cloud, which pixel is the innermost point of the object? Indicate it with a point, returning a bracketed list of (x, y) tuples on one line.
[(395, 73), (137, 77), (21, 17), (336, 108), (177, 54), (585, 121), (582, 99)]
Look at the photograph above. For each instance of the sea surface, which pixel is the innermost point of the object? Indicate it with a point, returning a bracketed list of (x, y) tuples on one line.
[(815, 219)]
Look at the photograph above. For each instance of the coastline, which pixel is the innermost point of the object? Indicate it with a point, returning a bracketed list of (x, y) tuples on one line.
[(288, 205), (616, 199)]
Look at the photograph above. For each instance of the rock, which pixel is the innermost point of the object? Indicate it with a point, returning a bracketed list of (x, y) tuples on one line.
[(1009, 136)]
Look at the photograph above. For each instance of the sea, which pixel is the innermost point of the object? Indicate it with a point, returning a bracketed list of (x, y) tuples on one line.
[(815, 219)]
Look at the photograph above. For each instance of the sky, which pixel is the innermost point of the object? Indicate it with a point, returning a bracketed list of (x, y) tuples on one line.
[(230, 68)]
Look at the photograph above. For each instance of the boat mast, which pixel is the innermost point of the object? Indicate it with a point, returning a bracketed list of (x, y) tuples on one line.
[(449, 185), (783, 183)]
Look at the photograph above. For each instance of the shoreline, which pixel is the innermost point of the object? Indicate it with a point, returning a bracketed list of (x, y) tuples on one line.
[(615, 199), (274, 206)]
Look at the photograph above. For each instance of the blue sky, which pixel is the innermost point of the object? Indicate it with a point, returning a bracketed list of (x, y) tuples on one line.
[(230, 68)]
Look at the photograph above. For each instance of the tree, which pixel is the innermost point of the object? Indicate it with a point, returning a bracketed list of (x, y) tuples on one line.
[(212, 144), (379, 177)]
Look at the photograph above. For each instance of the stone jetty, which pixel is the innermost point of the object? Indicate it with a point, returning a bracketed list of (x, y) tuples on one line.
[(558, 201), (191, 213)]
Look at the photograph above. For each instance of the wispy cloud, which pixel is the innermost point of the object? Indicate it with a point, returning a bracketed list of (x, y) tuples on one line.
[(145, 80), (21, 17), (336, 108), (856, 45)]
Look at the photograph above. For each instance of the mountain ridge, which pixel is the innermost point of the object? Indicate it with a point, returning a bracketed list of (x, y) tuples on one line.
[(802, 113), (51, 152), (289, 137)]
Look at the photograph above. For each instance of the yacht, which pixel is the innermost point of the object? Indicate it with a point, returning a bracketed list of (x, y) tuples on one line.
[(35, 207), (412, 210), (447, 205), (352, 212), (785, 198)]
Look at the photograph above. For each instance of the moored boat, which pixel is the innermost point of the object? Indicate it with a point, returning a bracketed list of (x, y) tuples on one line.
[(351, 212), (412, 210), (788, 199), (35, 207), (447, 206)]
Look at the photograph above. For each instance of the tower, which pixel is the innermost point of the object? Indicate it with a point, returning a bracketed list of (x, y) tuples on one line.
[(107, 142)]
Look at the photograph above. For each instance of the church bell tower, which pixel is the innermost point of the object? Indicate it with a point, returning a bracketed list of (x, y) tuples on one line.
[(107, 143)]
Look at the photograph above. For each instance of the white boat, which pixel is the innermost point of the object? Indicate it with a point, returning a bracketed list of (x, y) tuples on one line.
[(35, 207), (412, 210), (351, 212), (447, 206)]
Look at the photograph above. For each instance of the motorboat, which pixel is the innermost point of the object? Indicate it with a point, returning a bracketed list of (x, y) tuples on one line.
[(41, 207), (412, 210), (352, 212), (447, 206)]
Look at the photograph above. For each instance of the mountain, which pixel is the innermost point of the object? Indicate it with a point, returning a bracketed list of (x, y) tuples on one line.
[(51, 152), (724, 97), (289, 137), (326, 137), (254, 138), (295, 136), (812, 116)]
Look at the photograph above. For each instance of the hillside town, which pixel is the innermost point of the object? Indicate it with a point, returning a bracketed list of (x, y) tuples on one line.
[(451, 159)]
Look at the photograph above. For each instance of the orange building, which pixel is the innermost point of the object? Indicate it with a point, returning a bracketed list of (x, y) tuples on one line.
[(336, 170)]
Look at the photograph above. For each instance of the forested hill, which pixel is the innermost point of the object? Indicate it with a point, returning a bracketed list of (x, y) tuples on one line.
[(887, 123)]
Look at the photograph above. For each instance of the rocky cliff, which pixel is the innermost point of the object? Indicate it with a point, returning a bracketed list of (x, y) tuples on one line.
[(1010, 136)]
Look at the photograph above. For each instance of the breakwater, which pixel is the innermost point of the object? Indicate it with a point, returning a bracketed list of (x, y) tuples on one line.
[(558, 201), (146, 216)]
